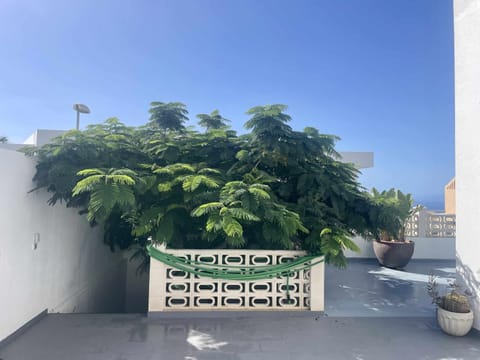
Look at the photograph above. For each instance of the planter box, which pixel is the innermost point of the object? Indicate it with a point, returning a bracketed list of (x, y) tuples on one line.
[(175, 290)]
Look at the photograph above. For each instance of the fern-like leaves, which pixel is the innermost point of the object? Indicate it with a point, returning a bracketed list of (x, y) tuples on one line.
[(108, 189)]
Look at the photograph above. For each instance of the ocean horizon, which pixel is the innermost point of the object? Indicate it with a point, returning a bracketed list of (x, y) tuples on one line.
[(432, 204)]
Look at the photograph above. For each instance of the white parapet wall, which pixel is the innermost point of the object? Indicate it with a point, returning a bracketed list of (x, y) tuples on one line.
[(425, 248), (50, 257), (43, 136), (175, 290), (432, 232), (360, 159), (467, 151)]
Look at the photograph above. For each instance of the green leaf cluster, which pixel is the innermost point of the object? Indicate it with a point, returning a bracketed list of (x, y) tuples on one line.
[(389, 214), (272, 188)]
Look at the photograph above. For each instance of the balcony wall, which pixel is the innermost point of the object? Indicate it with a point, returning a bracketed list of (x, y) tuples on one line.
[(69, 269), (467, 153), (433, 233)]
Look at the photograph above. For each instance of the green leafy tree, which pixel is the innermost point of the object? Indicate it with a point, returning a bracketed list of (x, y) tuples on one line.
[(241, 205), (307, 178), (212, 121), (168, 116), (272, 188), (108, 190), (104, 146), (389, 214), (3, 139)]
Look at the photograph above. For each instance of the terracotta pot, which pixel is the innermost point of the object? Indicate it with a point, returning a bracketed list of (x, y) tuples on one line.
[(456, 324), (393, 254)]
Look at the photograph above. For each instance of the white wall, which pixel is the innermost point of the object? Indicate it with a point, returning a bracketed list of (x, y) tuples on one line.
[(43, 136), (434, 248), (467, 152), (366, 249), (11, 146), (425, 248), (70, 271), (361, 160)]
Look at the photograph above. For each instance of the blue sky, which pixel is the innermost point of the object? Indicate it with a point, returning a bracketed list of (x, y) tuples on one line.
[(377, 73)]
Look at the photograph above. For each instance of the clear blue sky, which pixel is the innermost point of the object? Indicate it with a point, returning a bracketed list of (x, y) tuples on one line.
[(377, 73)]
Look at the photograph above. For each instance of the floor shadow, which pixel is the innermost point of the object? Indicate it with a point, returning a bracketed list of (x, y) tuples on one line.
[(367, 289)]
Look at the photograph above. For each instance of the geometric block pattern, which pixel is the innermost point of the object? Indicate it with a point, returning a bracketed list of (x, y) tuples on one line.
[(431, 225), (441, 225), (411, 228), (175, 290)]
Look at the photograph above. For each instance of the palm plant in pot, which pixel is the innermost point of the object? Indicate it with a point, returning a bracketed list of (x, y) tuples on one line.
[(389, 219), (453, 309)]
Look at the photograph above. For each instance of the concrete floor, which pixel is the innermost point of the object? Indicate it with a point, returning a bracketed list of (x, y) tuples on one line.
[(366, 289), (238, 337), (371, 313)]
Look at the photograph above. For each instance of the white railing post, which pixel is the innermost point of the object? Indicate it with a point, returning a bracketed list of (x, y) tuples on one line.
[(423, 222), (157, 284), (317, 287)]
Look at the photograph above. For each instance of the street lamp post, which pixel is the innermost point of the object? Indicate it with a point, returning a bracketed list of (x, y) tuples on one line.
[(80, 108)]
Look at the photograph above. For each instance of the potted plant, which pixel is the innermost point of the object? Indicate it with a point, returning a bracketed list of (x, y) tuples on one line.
[(453, 309), (389, 218)]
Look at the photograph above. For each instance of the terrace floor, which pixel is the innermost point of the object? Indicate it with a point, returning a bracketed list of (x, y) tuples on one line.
[(362, 321), (366, 289)]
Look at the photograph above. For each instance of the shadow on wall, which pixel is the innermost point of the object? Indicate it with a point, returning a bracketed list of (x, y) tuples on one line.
[(136, 286), (467, 278)]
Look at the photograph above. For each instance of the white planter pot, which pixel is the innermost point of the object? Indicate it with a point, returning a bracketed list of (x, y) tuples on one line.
[(456, 324)]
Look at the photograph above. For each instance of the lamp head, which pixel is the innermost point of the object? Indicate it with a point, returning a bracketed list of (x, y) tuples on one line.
[(81, 108)]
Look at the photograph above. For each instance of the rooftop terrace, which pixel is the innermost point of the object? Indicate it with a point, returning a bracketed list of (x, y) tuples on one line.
[(371, 313)]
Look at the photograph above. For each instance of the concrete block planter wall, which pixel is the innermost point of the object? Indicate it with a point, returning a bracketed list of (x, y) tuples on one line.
[(173, 290)]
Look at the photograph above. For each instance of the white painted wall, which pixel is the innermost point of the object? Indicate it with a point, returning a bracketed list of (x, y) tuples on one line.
[(11, 146), (70, 271), (425, 248), (366, 249), (467, 152), (361, 159), (434, 248), (43, 136)]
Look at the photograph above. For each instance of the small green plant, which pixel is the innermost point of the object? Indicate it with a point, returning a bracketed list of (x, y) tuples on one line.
[(390, 214), (453, 301)]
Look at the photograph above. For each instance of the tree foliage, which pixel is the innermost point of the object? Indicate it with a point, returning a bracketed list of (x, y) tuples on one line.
[(272, 188), (390, 211), (212, 121), (168, 116)]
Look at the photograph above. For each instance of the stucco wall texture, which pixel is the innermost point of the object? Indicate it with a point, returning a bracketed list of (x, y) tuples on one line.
[(467, 153), (71, 270)]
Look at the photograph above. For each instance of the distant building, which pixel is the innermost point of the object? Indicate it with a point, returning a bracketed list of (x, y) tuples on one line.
[(39, 138), (361, 160), (43, 136), (450, 197)]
